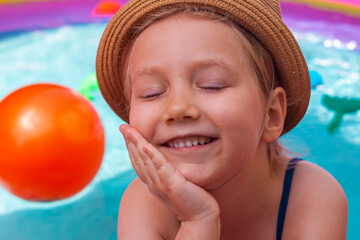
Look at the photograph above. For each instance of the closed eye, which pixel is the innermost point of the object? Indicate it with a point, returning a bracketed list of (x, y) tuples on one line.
[(152, 93), (212, 85), (149, 96), (214, 88)]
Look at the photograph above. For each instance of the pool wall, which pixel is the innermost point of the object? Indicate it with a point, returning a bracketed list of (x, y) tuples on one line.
[(32, 15), (330, 24)]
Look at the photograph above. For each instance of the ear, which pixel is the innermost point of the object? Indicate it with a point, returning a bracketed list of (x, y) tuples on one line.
[(275, 115)]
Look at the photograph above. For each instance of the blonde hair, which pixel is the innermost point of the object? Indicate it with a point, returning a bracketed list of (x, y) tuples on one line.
[(258, 57)]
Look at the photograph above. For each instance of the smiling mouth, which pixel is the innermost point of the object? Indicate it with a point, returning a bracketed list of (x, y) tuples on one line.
[(189, 142)]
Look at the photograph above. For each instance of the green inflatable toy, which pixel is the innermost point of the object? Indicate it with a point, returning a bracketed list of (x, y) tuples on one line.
[(89, 84), (340, 106)]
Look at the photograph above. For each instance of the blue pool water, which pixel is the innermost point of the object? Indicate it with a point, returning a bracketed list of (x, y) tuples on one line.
[(66, 55)]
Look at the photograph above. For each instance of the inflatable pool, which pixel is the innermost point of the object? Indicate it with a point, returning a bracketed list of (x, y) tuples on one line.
[(55, 41)]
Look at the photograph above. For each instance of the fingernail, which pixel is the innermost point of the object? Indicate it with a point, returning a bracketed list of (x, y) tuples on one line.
[(122, 129)]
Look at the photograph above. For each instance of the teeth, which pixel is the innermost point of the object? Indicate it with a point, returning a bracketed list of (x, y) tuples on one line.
[(188, 142)]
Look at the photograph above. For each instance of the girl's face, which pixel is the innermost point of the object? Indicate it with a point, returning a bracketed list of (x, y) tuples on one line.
[(195, 97)]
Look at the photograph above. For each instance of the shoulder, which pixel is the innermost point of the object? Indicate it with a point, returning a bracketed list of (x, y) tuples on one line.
[(317, 207), (142, 216)]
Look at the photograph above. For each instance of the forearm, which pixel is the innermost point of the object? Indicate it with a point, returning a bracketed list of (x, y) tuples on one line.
[(207, 230)]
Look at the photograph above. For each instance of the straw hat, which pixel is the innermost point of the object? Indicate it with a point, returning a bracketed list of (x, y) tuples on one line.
[(262, 18)]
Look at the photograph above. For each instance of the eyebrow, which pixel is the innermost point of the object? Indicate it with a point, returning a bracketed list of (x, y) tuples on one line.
[(147, 71), (196, 65), (208, 63)]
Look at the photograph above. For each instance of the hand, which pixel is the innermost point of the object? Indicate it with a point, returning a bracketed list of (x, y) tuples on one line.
[(187, 201)]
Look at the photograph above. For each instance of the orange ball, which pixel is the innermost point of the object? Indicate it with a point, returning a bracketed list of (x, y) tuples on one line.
[(51, 142), (106, 8)]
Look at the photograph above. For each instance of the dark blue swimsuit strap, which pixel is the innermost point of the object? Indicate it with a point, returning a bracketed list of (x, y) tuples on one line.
[(285, 196)]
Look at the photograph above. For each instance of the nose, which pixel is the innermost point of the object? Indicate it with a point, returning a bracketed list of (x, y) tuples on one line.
[(181, 107)]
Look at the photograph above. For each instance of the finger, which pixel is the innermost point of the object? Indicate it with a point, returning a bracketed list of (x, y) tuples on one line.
[(148, 172), (165, 178), (134, 158), (132, 134), (150, 167), (123, 128), (137, 159), (128, 150), (135, 166), (164, 169), (158, 160), (138, 162), (155, 182)]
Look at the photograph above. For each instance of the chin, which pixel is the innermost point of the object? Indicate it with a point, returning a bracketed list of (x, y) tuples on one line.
[(200, 177)]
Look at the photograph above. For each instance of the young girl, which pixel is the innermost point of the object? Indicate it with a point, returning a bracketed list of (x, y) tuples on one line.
[(208, 86)]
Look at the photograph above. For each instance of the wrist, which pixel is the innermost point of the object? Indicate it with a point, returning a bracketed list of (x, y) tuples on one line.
[(208, 229)]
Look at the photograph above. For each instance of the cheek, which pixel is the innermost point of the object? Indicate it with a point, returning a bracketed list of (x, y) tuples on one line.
[(240, 124), (141, 119), (145, 117), (236, 112)]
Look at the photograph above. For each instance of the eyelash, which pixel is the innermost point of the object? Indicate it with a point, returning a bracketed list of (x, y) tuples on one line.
[(149, 96), (216, 89)]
